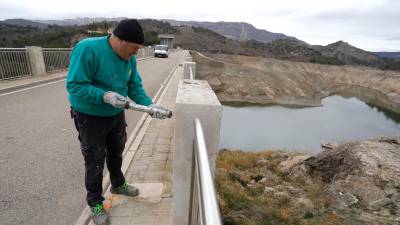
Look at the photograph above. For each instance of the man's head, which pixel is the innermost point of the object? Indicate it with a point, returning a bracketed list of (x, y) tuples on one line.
[(128, 38)]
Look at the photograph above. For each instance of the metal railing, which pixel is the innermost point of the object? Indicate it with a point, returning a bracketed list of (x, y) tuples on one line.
[(204, 208), (14, 63), (203, 204), (56, 58)]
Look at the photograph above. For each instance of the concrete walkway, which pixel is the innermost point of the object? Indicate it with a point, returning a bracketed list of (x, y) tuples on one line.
[(150, 169)]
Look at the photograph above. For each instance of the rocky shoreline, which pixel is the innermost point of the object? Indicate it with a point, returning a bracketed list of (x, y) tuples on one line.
[(353, 183)]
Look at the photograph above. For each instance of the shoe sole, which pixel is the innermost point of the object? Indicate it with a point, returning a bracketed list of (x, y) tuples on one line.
[(125, 194)]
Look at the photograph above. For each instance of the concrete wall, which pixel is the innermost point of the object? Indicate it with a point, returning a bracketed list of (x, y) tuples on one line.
[(36, 60), (195, 99)]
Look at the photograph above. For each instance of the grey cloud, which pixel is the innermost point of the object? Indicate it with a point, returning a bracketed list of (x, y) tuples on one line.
[(382, 21), (12, 11), (279, 13), (393, 39)]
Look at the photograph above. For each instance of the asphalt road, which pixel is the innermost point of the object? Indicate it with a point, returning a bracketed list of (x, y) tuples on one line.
[(41, 166)]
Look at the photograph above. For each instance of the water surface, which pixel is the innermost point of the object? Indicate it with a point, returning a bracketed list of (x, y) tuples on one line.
[(256, 128)]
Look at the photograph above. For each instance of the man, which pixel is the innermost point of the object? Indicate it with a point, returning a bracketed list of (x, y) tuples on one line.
[(102, 74)]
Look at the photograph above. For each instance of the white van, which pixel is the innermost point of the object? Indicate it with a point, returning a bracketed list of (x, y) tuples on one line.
[(161, 51)]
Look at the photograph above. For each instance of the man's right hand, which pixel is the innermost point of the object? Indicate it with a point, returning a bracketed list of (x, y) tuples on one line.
[(115, 99)]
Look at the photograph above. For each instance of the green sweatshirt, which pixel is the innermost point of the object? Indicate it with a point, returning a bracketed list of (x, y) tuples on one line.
[(94, 69)]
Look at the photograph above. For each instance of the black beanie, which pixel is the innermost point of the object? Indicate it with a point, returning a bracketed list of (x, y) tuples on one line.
[(129, 30)]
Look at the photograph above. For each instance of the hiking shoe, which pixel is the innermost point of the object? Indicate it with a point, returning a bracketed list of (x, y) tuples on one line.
[(99, 215), (125, 189)]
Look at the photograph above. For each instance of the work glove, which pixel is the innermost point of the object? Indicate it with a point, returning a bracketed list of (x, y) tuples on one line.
[(115, 99), (157, 113)]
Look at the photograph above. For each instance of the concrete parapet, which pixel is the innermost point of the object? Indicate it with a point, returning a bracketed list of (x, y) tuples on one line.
[(195, 99), (186, 70), (36, 60)]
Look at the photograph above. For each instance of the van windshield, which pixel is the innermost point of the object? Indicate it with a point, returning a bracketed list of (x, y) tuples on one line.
[(160, 47)]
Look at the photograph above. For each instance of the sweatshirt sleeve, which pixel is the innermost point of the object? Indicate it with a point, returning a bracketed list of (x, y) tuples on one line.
[(81, 71), (135, 88)]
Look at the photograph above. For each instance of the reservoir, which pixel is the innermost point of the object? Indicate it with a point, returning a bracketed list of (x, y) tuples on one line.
[(339, 120)]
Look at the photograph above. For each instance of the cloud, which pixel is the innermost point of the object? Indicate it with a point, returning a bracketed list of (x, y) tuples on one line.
[(9, 11), (393, 39)]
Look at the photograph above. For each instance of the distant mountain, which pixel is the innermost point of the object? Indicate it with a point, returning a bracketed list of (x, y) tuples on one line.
[(388, 54), (348, 54), (79, 21), (235, 30), (24, 23)]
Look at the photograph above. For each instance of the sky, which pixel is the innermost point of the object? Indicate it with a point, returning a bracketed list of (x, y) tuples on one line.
[(372, 25)]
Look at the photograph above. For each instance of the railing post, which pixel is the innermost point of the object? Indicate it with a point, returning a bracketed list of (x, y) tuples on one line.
[(195, 99), (2, 74), (36, 60), (186, 70)]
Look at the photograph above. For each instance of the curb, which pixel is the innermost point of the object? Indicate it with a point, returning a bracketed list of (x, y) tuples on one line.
[(28, 85)]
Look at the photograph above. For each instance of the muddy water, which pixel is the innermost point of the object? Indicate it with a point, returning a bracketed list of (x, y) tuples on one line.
[(255, 128)]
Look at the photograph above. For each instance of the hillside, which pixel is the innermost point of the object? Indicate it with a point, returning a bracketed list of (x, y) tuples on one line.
[(15, 36), (348, 54), (20, 33), (24, 23)]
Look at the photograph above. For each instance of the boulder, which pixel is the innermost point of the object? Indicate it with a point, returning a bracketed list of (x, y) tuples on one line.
[(362, 173), (291, 162)]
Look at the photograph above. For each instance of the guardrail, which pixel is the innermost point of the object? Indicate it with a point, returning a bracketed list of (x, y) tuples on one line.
[(204, 208), (14, 63), (56, 58)]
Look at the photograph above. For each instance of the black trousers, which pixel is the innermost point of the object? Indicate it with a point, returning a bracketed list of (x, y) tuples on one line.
[(102, 139)]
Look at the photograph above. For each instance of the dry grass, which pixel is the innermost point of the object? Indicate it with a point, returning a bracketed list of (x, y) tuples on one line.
[(243, 200)]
